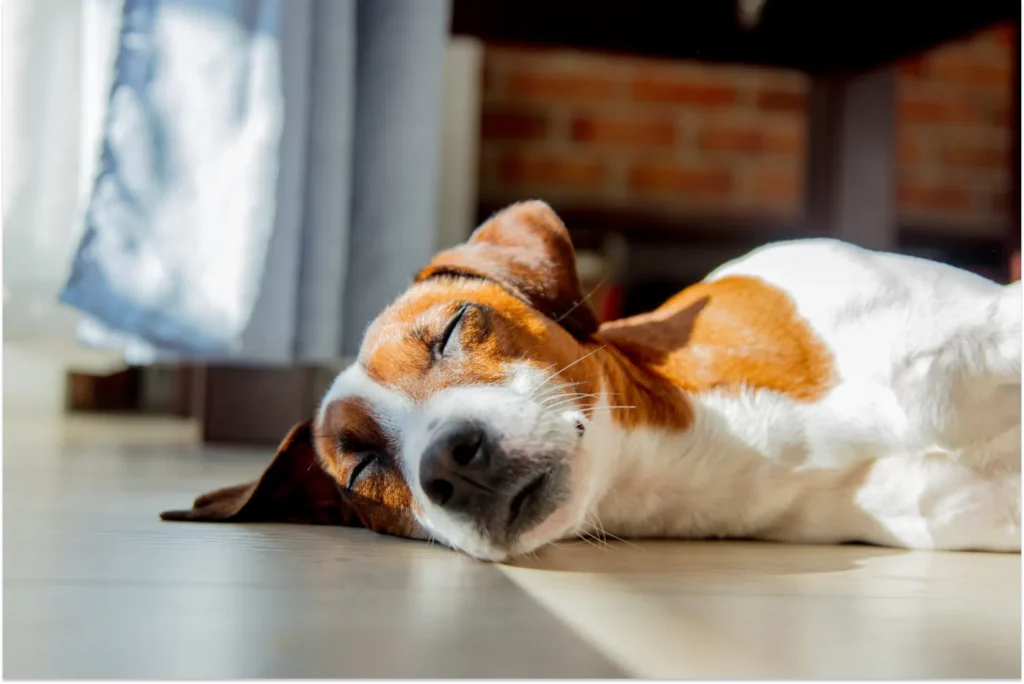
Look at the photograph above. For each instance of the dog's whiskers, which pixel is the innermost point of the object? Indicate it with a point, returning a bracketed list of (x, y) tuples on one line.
[(584, 537), (605, 533), (590, 537), (554, 375), (569, 399), (592, 409), (554, 397)]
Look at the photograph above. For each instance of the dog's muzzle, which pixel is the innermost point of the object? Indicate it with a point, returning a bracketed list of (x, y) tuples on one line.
[(466, 471)]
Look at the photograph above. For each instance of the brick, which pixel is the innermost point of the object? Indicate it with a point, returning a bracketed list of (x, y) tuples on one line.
[(934, 110), (965, 69), (777, 187), (504, 124), (666, 178), (936, 197), (649, 89), (975, 156), (781, 100), (536, 169), (908, 150), (605, 130), (540, 86), (956, 108), (746, 139)]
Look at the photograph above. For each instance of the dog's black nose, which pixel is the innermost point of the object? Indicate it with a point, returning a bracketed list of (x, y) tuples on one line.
[(465, 471), (456, 470)]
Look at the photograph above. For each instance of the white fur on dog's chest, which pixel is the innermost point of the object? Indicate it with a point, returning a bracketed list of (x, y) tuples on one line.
[(747, 464), (902, 450)]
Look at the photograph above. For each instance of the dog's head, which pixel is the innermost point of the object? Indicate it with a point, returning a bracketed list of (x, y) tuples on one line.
[(465, 415)]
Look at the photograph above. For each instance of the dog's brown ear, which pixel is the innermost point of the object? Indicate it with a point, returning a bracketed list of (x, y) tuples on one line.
[(525, 249), (293, 488)]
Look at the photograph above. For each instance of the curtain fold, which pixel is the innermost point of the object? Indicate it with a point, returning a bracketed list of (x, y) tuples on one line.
[(268, 176)]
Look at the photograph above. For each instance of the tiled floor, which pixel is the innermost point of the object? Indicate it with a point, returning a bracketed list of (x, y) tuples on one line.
[(96, 586)]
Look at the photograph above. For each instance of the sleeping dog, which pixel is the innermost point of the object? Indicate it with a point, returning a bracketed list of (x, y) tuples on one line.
[(808, 392)]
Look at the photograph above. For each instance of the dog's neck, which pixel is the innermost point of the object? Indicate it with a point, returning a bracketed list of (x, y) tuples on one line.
[(627, 380), (639, 447)]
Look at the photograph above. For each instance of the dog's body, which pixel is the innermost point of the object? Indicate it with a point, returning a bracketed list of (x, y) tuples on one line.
[(810, 391), (888, 413)]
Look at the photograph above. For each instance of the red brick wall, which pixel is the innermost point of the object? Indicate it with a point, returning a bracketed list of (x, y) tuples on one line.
[(596, 130)]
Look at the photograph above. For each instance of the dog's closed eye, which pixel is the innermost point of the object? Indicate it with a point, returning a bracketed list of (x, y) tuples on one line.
[(367, 462), (448, 342), (368, 455)]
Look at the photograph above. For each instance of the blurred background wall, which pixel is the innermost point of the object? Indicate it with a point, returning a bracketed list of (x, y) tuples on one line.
[(600, 130)]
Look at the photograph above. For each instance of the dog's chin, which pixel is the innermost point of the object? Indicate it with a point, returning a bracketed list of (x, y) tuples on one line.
[(556, 526), (559, 525)]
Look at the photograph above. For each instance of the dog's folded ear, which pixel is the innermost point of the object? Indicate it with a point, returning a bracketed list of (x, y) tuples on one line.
[(293, 488), (526, 249)]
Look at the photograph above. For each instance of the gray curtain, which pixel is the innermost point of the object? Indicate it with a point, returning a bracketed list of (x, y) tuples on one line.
[(353, 190), (358, 180)]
